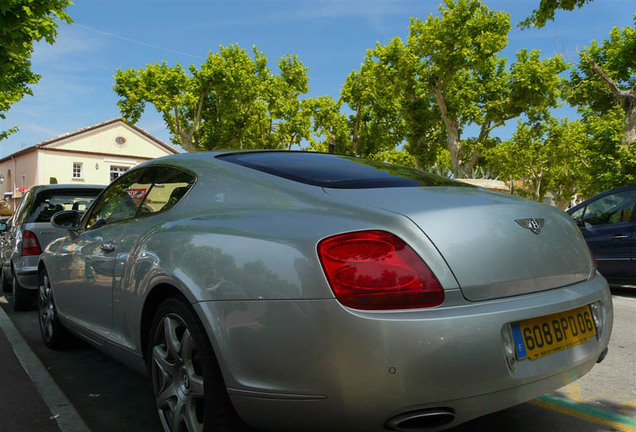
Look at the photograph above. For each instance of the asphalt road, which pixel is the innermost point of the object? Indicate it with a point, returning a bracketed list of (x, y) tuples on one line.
[(110, 397)]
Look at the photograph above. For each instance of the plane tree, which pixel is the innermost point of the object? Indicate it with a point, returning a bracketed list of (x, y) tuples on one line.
[(375, 122), (546, 10), (449, 77), (603, 87), (329, 127), (232, 101), (546, 155)]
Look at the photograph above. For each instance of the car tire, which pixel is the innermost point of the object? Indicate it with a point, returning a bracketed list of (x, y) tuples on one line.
[(6, 283), (53, 333), (22, 298), (186, 380)]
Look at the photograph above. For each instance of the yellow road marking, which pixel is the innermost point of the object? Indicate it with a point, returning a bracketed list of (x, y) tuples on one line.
[(619, 422)]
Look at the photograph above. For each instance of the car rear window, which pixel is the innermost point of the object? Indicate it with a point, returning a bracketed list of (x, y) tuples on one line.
[(335, 171), (47, 203)]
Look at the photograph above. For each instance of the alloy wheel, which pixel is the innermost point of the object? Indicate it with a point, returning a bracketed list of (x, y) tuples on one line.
[(177, 376), (46, 312)]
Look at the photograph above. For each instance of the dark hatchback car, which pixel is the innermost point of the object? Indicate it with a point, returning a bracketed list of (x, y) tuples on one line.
[(608, 223)]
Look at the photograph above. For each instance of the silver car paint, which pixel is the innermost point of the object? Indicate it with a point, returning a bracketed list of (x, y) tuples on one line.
[(511, 260), (241, 247), (341, 362)]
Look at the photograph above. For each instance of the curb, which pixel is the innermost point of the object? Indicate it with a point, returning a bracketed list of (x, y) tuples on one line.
[(65, 414)]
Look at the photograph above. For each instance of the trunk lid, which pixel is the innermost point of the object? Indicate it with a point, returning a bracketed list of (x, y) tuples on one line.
[(493, 243)]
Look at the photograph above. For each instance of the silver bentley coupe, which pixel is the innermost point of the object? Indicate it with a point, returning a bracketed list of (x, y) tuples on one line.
[(297, 291)]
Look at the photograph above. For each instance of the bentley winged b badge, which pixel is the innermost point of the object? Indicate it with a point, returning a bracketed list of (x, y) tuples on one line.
[(532, 224)]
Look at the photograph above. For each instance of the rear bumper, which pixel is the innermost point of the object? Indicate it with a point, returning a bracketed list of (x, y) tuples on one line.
[(26, 271), (326, 414), (315, 365), (28, 280)]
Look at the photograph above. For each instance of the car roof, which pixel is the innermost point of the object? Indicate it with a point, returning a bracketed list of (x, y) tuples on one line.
[(599, 195), (67, 186), (313, 168), (38, 189)]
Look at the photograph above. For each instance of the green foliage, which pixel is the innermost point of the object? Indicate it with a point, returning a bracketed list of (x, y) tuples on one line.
[(548, 156), (22, 23), (411, 102), (616, 56), (52, 180), (449, 57), (609, 164), (376, 124), (329, 125), (603, 86), (547, 8), (446, 77), (395, 157), (232, 101)]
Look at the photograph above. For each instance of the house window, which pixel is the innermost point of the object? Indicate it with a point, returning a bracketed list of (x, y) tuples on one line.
[(116, 171), (77, 170)]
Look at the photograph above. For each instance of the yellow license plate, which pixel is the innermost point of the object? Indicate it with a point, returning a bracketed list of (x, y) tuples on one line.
[(539, 337)]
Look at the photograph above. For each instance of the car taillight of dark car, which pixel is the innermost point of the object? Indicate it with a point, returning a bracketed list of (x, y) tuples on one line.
[(376, 270)]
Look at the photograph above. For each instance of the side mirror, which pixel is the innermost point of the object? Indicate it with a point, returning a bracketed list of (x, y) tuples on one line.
[(68, 220)]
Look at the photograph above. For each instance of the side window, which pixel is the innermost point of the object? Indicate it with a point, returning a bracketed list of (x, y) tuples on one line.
[(24, 207), (170, 185), (611, 209), (120, 200), (139, 193)]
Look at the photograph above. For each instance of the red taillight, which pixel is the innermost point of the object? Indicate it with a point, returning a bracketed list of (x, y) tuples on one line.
[(376, 270), (30, 245)]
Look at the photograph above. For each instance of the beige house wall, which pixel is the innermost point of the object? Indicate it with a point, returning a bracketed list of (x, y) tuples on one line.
[(18, 173), (95, 168), (99, 149), (105, 140)]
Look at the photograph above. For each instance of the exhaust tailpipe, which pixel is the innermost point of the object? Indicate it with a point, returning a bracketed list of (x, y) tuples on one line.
[(421, 419)]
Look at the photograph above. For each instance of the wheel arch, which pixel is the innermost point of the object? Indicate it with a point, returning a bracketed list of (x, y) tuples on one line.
[(155, 297)]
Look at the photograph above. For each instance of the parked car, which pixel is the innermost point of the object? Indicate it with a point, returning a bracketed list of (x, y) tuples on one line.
[(608, 224), (303, 291), (29, 232)]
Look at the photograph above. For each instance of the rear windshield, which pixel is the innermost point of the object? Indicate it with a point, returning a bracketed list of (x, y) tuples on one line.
[(334, 171), (47, 203)]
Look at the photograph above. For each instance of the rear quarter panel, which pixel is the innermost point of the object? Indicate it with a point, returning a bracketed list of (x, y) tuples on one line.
[(235, 239)]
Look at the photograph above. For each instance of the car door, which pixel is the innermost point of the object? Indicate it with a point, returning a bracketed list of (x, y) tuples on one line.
[(86, 295), (608, 225), (103, 250)]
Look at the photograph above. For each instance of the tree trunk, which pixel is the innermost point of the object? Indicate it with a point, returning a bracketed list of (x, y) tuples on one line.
[(626, 99), (537, 192), (186, 142), (356, 132), (629, 130), (452, 130)]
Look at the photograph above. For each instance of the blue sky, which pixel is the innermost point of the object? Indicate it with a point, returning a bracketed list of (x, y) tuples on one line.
[(329, 37)]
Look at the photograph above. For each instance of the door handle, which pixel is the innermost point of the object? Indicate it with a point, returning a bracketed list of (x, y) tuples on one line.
[(107, 247), (620, 237)]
